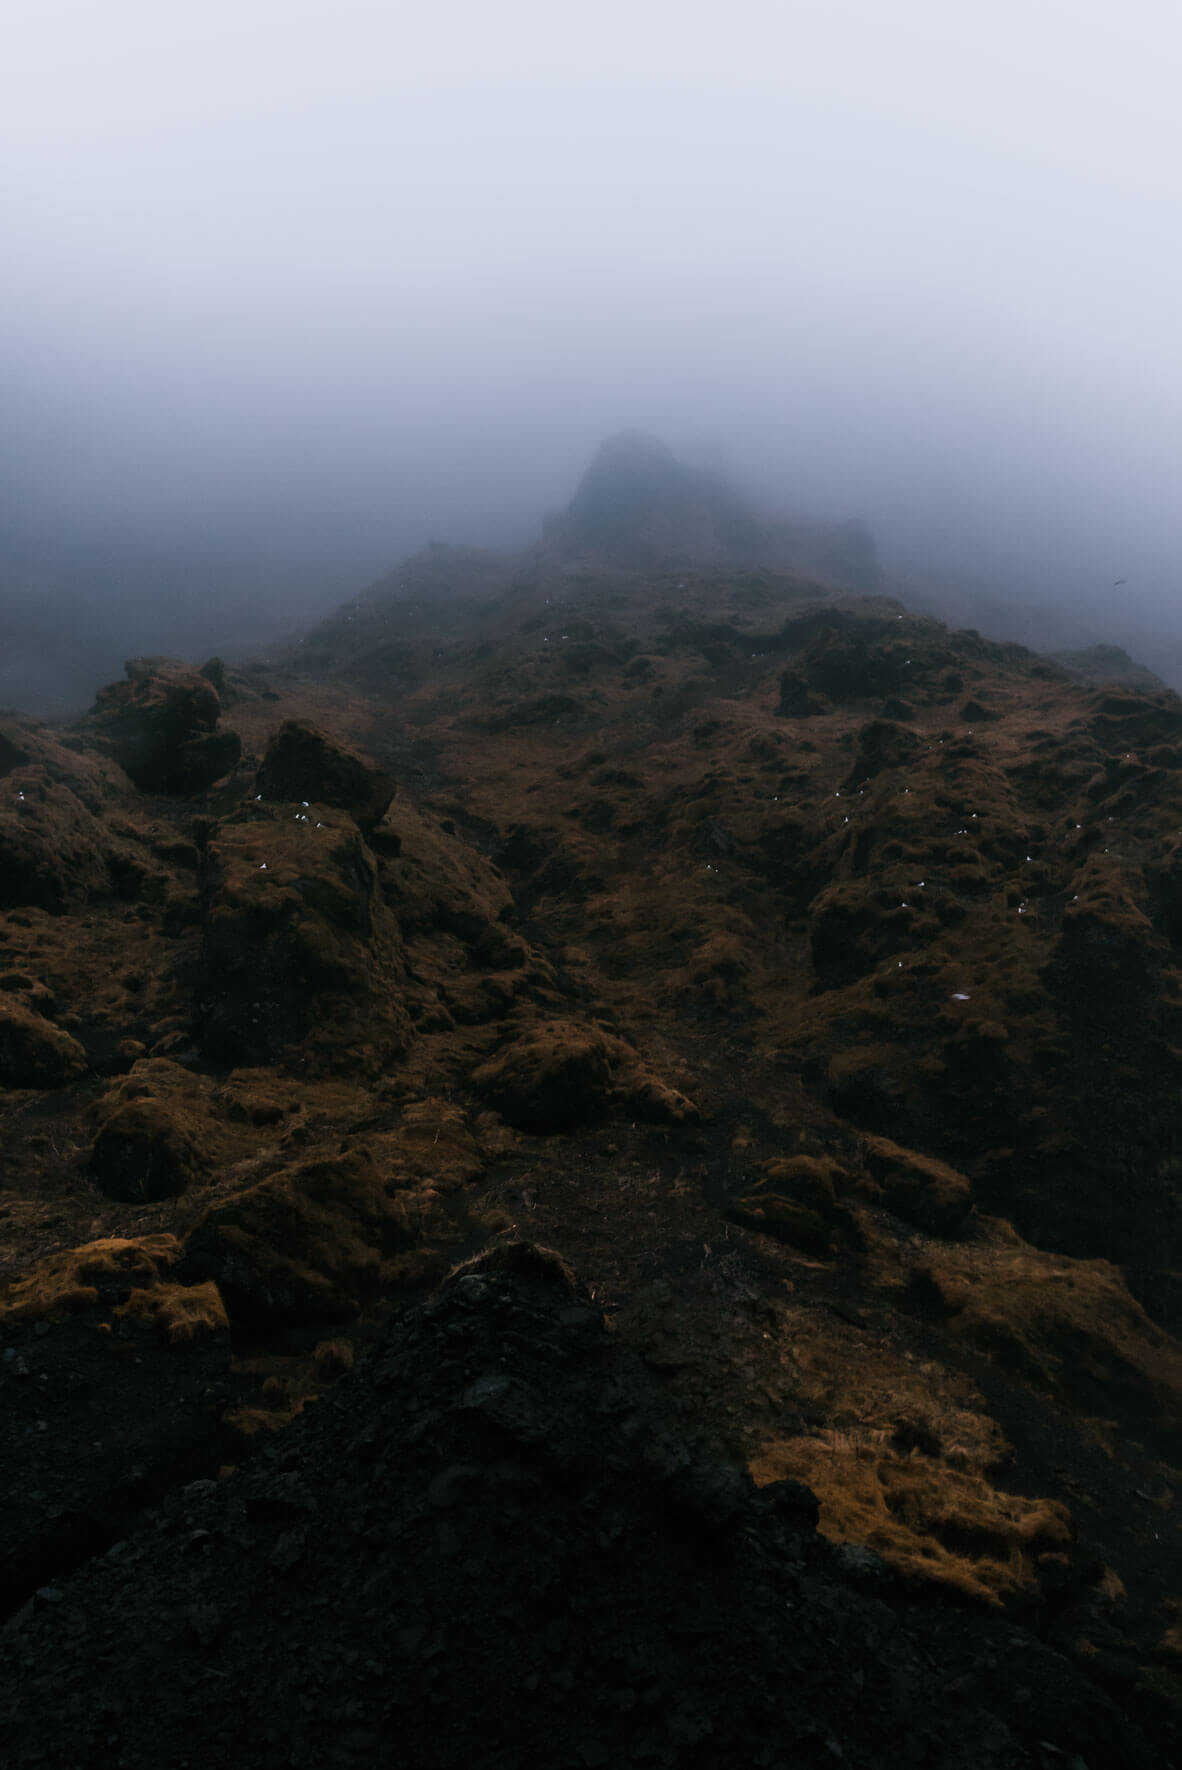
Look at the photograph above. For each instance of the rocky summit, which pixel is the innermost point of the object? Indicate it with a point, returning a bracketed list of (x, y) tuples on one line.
[(590, 1175)]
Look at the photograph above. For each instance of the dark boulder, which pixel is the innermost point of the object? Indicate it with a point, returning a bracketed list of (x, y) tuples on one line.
[(145, 1151), (299, 948), (305, 766), (882, 744), (161, 727)]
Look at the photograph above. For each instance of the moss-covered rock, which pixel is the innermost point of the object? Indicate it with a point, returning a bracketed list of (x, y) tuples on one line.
[(33, 1052)]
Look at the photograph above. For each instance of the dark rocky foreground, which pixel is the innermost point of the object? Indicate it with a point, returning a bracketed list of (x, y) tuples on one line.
[(488, 1546)]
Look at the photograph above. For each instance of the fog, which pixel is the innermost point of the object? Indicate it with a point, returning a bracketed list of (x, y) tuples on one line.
[(293, 288)]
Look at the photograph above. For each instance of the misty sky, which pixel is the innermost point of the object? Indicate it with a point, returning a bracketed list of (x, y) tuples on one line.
[(291, 287)]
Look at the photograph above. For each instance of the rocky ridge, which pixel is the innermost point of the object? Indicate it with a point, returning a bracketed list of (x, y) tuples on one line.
[(805, 974)]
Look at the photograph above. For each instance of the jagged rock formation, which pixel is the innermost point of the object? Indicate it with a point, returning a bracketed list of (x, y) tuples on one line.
[(161, 727), (637, 504), (636, 499)]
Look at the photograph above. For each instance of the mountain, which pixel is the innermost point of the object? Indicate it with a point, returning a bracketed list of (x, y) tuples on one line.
[(590, 1173), (638, 504)]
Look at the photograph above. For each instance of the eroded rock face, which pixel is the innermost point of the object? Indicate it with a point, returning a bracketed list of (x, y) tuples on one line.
[(161, 727), (304, 766)]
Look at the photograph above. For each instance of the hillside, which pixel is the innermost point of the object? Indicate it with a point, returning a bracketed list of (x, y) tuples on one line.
[(803, 974)]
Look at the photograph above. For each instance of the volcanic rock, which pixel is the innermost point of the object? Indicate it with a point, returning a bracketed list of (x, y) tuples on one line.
[(925, 1191), (796, 1201), (57, 845), (637, 503), (315, 1242), (111, 1379)]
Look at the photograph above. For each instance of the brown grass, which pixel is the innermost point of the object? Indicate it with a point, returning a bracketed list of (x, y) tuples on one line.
[(71, 1280), (332, 1358), (185, 1313), (1070, 1326), (923, 1518)]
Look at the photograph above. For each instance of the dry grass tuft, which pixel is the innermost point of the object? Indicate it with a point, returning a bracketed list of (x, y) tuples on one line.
[(185, 1313), (528, 1263), (923, 1518), (332, 1358), (1110, 1586), (77, 1277), (1069, 1326)]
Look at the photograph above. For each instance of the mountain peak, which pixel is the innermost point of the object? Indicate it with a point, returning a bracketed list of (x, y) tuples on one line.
[(637, 500)]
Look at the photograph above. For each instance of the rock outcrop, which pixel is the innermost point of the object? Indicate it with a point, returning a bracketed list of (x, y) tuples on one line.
[(305, 767), (161, 727), (301, 959)]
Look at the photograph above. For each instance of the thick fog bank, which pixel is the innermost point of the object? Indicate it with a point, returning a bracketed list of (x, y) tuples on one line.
[(246, 574), (292, 289)]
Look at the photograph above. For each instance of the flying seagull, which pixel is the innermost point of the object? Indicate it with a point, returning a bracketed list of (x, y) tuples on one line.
[(1119, 582)]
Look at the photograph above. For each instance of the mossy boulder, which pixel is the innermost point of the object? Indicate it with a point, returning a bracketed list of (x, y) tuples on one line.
[(301, 958), (317, 1241), (561, 1073), (33, 1052), (155, 1132), (917, 1187), (795, 1200), (161, 727), (304, 766)]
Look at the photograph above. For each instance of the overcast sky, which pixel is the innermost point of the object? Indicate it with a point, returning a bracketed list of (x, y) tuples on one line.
[(290, 287)]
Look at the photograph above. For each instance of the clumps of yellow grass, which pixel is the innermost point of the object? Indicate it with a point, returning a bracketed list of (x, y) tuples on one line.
[(185, 1313), (923, 1518), (72, 1279)]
